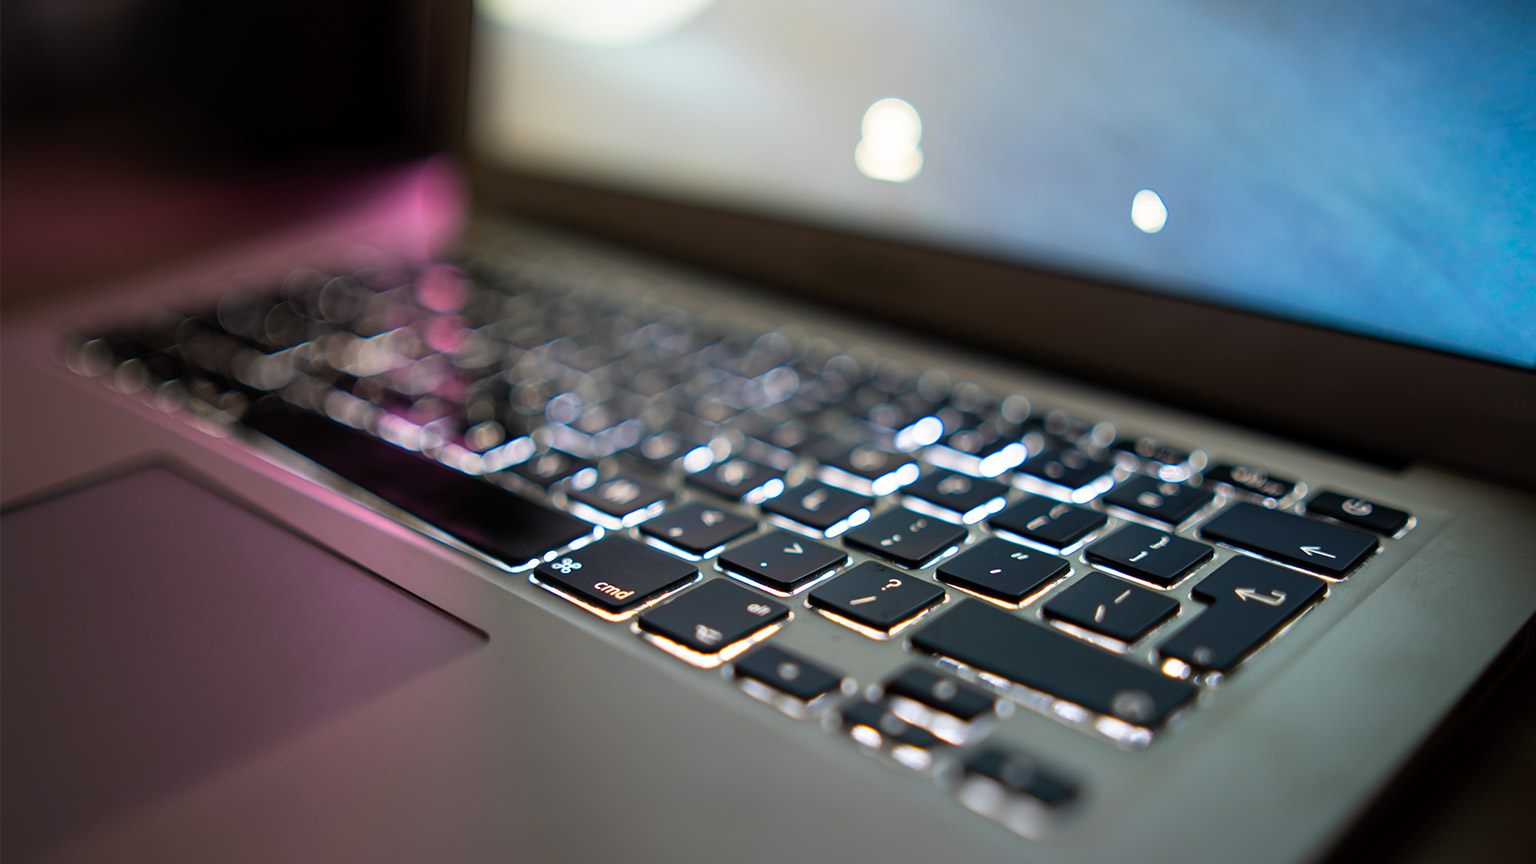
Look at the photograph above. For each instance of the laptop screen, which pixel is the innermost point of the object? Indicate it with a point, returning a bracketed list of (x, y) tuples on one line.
[(1365, 166)]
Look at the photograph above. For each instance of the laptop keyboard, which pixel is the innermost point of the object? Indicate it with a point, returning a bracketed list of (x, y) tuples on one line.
[(707, 487)]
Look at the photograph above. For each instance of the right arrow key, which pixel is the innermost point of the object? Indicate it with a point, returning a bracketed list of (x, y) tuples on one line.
[(1321, 547), (1250, 601)]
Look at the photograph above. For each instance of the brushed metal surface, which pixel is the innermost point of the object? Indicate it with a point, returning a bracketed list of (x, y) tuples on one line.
[(568, 738)]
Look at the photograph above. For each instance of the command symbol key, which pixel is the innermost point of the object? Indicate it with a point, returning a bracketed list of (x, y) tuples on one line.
[(614, 577)]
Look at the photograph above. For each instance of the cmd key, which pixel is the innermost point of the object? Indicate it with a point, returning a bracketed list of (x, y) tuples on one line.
[(615, 577)]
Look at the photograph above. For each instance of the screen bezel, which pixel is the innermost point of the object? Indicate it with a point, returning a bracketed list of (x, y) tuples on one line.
[(1350, 392)]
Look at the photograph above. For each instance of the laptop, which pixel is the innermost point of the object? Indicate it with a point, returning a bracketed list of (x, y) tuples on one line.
[(982, 434)]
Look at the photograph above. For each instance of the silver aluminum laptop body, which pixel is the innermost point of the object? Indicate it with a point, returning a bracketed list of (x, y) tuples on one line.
[(520, 726)]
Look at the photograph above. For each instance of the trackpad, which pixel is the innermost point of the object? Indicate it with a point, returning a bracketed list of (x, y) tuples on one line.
[(153, 632)]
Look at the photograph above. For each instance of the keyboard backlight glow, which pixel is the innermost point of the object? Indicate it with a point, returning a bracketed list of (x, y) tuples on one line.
[(708, 661), (912, 757), (918, 435), (1175, 668), (867, 736)]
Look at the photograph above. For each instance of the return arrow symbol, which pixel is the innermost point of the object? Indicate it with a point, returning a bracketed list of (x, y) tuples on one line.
[(1273, 598)]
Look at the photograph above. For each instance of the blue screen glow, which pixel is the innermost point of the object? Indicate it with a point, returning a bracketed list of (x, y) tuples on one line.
[(1369, 166)]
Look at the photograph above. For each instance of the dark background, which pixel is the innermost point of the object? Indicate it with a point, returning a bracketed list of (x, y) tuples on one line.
[(135, 132)]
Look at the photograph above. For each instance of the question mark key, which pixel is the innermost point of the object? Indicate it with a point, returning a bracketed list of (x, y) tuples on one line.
[(876, 600)]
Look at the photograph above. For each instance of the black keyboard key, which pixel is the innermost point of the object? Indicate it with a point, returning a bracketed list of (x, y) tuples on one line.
[(794, 436), (874, 726), (484, 516), (1020, 775), (1048, 522), (1065, 427), (826, 510), (1067, 473), (1002, 571), (863, 469), (696, 529), (934, 689), (875, 600), (615, 576), (991, 640), (661, 450), (1250, 600), (554, 466), (1320, 547), (781, 562), (1111, 608), (979, 453), (619, 502), (910, 539), (766, 454), (713, 622), (956, 497), (741, 480), (1360, 513), (787, 674), (1172, 503), (1149, 554), (1013, 789), (1251, 482), (1158, 458)]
